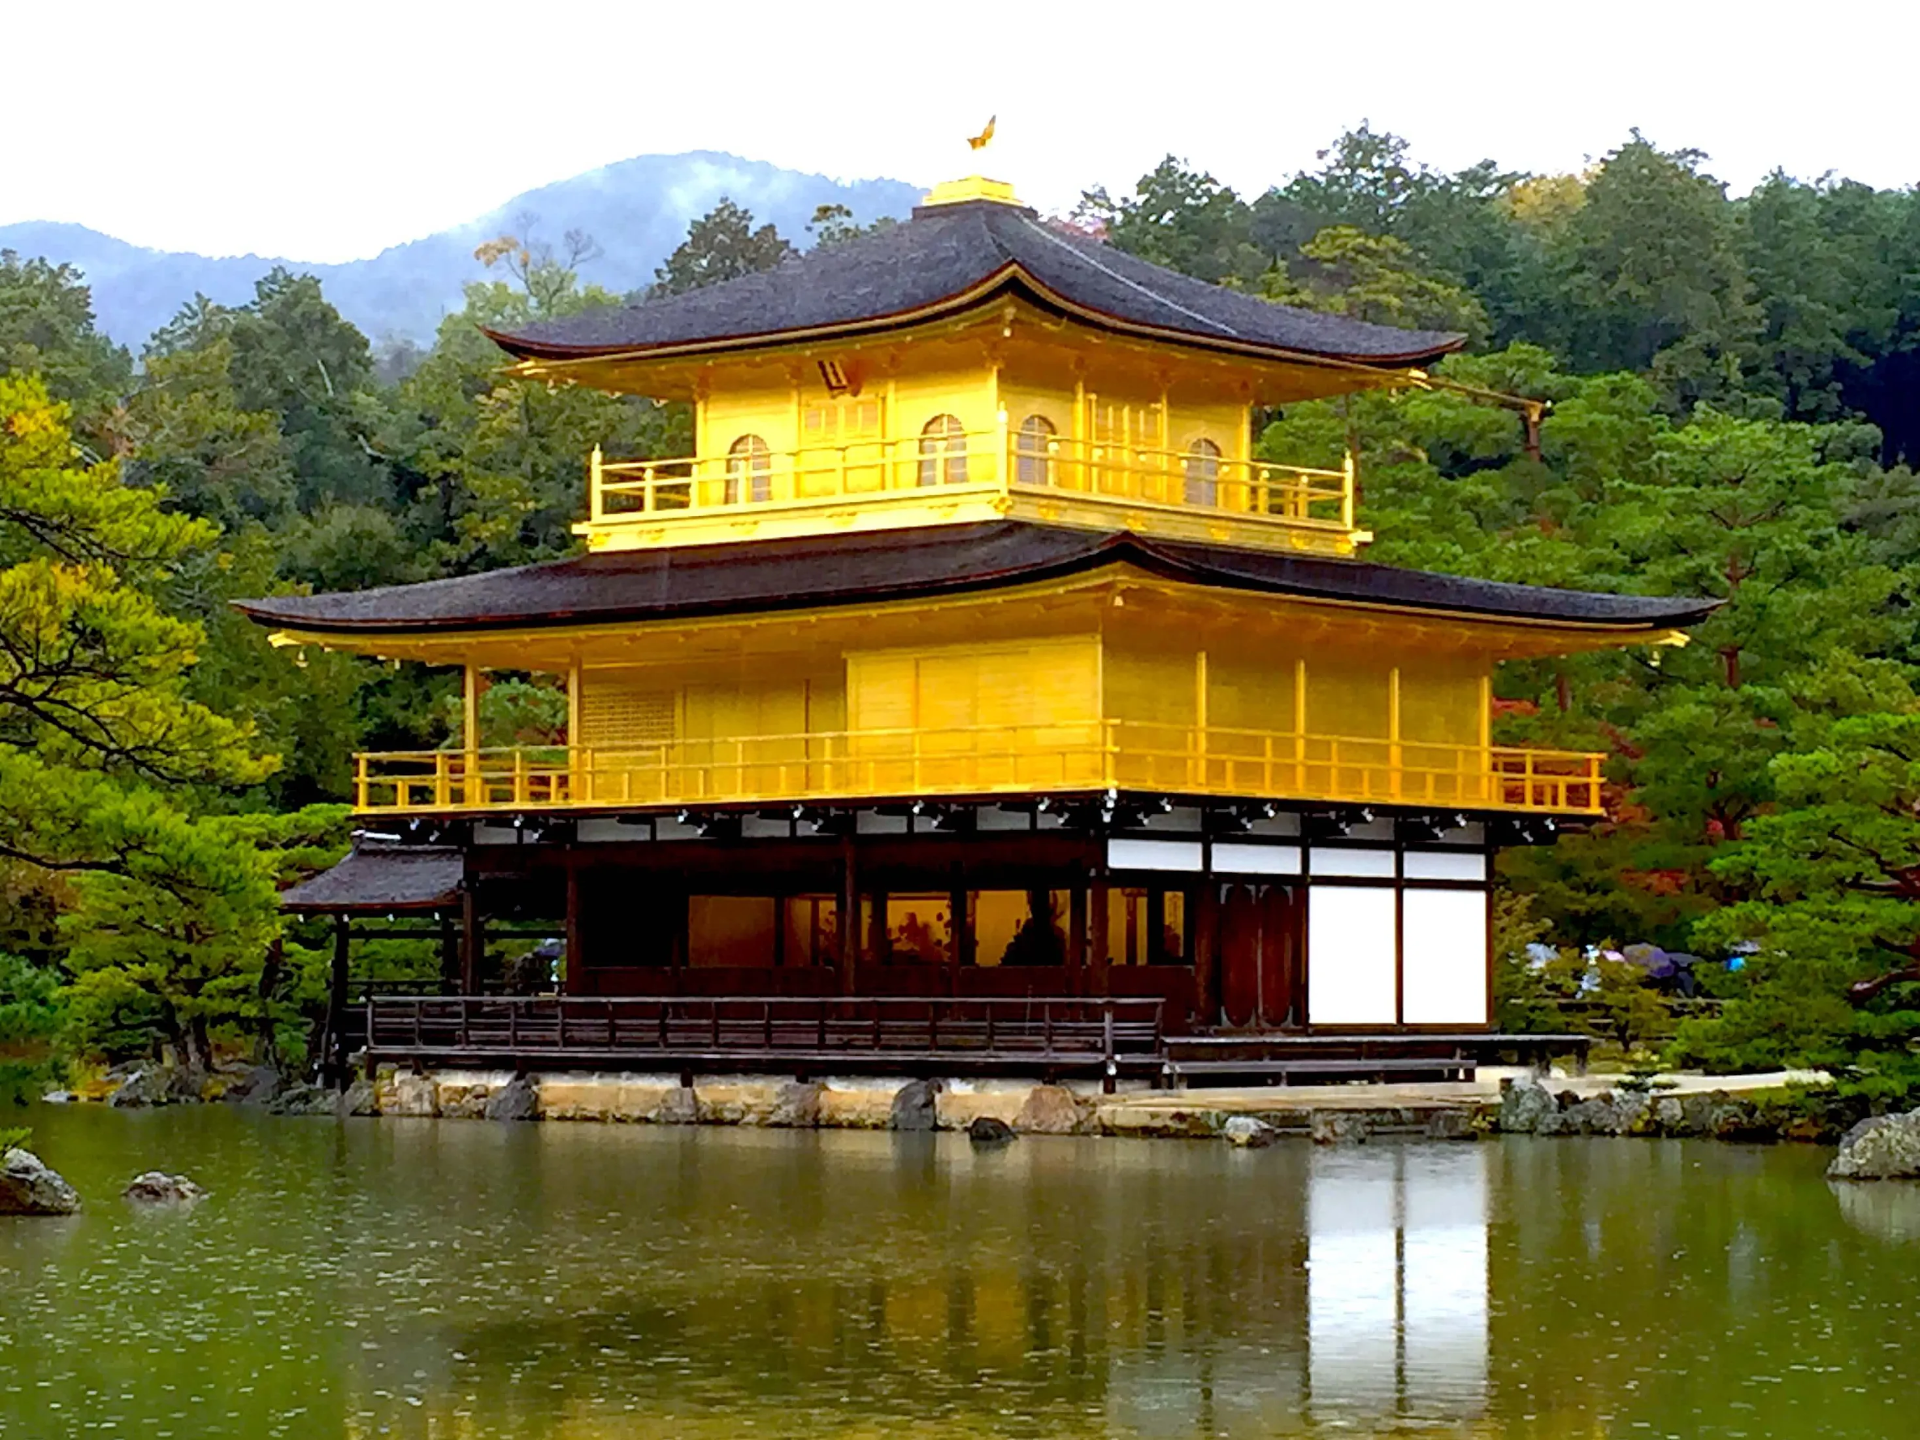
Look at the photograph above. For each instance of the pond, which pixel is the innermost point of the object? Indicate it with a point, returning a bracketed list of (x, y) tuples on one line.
[(447, 1278)]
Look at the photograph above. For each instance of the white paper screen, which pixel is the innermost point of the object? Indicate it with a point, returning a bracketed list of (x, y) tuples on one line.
[(1446, 957), (1350, 955)]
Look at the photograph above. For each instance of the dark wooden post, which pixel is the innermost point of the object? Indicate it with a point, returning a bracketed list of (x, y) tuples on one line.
[(1077, 938), (962, 953), (334, 1052), (1206, 999), (472, 942), (449, 953), (847, 916), (571, 972), (1097, 909)]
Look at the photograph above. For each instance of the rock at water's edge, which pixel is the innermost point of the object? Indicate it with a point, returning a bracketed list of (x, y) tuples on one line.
[(915, 1106), (259, 1085), (300, 1098), (796, 1106), (516, 1100), (156, 1187), (29, 1187), (359, 1098), (986, 1130), (414, 1095), (1524, 1103), (1451, 1125), (1052, 1110), (1886, 1147), (1246, 1133)]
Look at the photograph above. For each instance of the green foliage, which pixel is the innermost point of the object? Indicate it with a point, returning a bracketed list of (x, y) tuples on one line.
[(835, 225), (32, 1017), (15, 1137), (721, 245), (46, 330)]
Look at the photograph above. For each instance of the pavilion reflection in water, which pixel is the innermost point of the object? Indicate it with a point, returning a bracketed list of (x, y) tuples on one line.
[(1331, 1291)]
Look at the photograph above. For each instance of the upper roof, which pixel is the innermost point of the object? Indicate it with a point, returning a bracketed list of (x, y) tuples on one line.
[(950, 257), (821, 570)]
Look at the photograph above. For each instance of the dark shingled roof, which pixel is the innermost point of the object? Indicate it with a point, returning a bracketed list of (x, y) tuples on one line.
[(376, 878), (948, 256), (824, 570)]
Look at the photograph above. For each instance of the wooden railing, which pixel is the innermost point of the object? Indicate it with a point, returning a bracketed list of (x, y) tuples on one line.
[(983, 760), (1094, 1036), (990, 462)]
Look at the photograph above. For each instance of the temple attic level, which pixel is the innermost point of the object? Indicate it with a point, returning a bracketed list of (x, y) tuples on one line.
[(972, 698)]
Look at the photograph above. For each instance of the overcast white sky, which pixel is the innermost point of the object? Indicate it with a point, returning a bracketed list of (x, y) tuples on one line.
[(328, 131)]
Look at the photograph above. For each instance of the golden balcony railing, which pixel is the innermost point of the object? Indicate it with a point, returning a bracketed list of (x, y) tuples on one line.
[(868, 765), (984, 464)]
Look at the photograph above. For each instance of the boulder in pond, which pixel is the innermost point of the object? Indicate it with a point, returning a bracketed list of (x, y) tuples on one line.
[(1053, 1110), (144, 1088), (359, 1098), (1337, 1127), (1884, 1147), (156, 1187), (796, 1106), (915, 1106), (1524, 1103), (28, 1186), (986, 1131), (515, 1100), (1244, 1132)]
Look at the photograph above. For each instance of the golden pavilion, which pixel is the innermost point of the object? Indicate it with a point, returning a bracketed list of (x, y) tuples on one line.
[(971, 697)]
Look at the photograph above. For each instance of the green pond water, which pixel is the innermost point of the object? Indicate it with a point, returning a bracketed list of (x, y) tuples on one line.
[(455, 1279)]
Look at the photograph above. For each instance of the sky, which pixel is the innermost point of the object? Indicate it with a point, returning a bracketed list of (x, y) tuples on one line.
[(325, 132)]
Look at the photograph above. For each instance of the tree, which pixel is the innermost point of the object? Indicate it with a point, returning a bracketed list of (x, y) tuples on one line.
[(1181, 218), (721, 245), (46, 329), (835, 225), (1657, 278), (1833, 878), (184, 939), (1374, 278)]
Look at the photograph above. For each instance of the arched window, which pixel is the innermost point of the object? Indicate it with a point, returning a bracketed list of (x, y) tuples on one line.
[(1202, 467), (943, 452), (1033, 451), (749, 470)]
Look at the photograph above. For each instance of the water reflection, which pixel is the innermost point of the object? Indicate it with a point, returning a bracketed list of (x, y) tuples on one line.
[(582, 1282), (1397, 1294)]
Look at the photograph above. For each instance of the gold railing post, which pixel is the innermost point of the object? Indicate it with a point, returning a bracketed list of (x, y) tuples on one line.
[(596, 507), (1350, 481), (360, 782), (442, 778)]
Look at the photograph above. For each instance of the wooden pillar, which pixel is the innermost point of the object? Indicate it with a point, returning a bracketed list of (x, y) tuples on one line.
[(334, 1052), (470, 735), (1097, 909), (449, 952), (1077, 938), (878, 946), (571, 972), (472, 941), (1206, 929), (962, 954), (847, 916)]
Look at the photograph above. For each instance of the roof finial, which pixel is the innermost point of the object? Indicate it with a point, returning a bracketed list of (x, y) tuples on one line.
[(979, 142)]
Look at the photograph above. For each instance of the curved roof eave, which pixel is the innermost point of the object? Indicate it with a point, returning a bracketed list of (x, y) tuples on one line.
[(518, 605), (1008, 276)]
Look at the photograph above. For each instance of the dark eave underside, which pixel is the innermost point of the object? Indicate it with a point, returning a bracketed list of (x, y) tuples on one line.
[(955, 255), (819, 571)]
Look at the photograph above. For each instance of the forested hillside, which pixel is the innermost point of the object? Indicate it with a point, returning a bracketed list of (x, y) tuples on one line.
[(636, 210), (1731, 400)]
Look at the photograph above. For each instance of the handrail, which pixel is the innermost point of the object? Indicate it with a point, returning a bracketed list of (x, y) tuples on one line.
[(1034, 1028), (991, 461), (1079, 755)]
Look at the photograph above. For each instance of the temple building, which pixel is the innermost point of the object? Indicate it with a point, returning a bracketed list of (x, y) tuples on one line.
[(972, 693)]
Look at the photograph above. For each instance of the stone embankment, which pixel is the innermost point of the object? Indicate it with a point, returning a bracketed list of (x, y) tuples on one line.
[(29, 1187)]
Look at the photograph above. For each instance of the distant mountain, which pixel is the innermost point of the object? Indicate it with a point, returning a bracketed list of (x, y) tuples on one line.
[(637, 211)]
